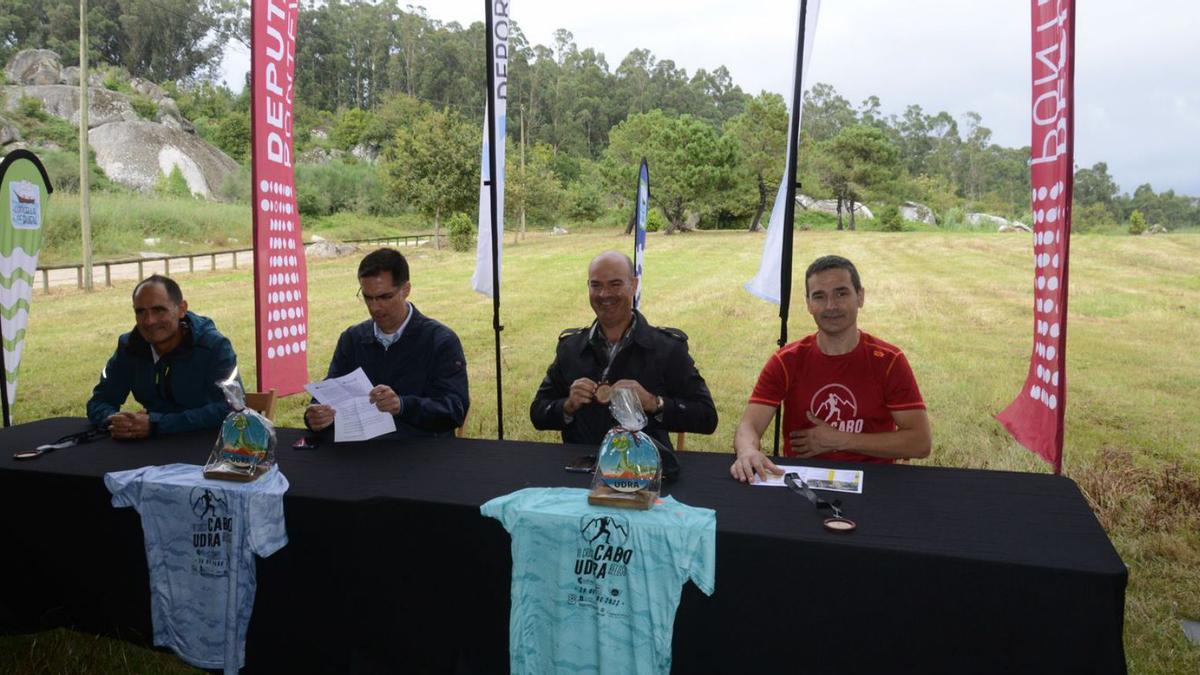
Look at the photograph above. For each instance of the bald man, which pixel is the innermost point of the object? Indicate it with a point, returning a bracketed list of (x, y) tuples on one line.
[(621, 349)]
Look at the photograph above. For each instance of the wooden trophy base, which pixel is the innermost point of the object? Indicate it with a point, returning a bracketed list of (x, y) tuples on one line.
[(602, 495), (223, 474)]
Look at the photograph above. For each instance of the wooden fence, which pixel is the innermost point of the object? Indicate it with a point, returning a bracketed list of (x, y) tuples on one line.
[(163, 263)]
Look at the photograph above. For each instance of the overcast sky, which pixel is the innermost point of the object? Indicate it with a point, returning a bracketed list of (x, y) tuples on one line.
[(1137, 81)]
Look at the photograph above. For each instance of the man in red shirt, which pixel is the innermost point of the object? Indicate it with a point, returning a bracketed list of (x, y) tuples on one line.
[(846, 395)]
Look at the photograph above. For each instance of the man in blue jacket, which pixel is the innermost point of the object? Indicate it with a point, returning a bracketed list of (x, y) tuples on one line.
[(416, 364), (171, 363)]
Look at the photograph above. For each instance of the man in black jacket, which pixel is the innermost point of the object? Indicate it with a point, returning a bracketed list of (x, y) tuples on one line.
[(621, 349), (416, 364)]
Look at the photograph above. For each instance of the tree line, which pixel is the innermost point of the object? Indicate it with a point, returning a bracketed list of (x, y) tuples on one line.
[(384, 81)]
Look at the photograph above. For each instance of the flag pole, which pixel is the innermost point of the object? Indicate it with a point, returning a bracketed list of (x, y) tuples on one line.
[(492, 140), (789, 207)]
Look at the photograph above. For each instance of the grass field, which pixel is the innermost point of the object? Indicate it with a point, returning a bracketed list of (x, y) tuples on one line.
[(958, 304)]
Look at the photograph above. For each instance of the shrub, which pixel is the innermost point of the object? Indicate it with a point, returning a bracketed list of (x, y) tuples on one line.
[(586, 201), (172, 184), (339, 186), (890, 220), (144, 107), (1094, 216), (312, 202), (462, 232), (655, 220), (232, 135), (1137, 223), (31, 108)]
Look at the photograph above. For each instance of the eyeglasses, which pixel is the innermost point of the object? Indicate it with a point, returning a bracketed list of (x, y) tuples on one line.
[(382, 297)]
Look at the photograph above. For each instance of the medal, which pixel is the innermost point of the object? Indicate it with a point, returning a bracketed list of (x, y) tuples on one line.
[(604, 393), (836, 523)]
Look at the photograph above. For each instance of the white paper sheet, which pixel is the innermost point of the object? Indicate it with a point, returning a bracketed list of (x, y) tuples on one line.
[(834, 480), (355, 417)]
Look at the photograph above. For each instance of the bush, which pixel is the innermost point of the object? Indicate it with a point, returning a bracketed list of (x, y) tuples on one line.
[(31, 108), (232, 135), (325, 189), (173, 184), (62, 166), (586, 201), (462, 232), (1092, 217), (144, 107), (1137, 223), (655, 220), (890, 220)]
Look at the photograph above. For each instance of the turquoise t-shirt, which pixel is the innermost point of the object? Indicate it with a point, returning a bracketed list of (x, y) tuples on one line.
[(201, 538), (594, 589)]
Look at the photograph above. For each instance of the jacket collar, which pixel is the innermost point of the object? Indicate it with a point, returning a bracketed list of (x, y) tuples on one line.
[(641, 333), (366, 330)]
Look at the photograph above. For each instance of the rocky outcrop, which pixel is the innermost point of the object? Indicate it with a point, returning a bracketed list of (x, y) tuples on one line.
[(70, 77), (830, 206), (137, 153), (365, 152), (104, 106), (328, 249), (34, 66), (918, 212), (131, 151), (9, 132), (987, 219)]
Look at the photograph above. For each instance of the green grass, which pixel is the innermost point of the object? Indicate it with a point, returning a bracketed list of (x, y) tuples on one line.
[(957, 303)]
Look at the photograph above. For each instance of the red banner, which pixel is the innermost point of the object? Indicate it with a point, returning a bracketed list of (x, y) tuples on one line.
[(1035, 418), (280, 277)]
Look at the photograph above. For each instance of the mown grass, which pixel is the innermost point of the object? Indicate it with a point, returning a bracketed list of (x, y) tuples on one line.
[(957, 303)]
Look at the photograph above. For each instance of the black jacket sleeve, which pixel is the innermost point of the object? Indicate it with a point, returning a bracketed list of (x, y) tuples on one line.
[(442, 405), (546, 411), (687, 404)]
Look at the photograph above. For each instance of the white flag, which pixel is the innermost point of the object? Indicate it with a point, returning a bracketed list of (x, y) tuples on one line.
[(481, 281), (766, 284)]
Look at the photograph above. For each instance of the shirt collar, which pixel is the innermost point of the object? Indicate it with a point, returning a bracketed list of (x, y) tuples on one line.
[(389, 339)]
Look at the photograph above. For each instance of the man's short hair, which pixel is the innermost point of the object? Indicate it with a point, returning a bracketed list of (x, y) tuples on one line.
[(385, 260), (168, 284), (832, 262), (628, 261)]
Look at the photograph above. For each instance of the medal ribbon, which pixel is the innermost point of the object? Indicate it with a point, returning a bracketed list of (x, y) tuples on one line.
[(797, 485)]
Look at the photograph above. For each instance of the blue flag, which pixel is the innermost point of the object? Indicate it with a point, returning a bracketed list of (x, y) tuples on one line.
[(639, 244)]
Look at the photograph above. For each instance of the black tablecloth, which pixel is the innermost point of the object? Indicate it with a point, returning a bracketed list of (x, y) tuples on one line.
[(390, 567)]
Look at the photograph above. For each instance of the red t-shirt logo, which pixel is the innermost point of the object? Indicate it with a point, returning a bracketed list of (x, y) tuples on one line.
[(834, 403)]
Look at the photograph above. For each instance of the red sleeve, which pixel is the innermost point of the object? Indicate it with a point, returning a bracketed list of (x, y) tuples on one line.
[(900, 390), (772, 384)]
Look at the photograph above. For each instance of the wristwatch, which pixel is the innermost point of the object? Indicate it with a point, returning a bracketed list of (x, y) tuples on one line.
[(658, 412)]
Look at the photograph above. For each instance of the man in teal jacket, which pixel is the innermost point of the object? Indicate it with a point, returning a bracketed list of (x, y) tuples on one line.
[(171, 363)]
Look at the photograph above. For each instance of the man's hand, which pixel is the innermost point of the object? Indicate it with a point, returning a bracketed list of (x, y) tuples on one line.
[(817, 440), (582, 392), (385, 399), (128, 426), (753, 463), (649, 401), (318, 416)]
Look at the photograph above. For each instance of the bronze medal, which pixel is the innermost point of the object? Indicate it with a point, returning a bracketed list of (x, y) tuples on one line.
[(604, 393), (840, 525)]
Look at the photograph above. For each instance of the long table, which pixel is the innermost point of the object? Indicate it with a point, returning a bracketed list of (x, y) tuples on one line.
[(390, 567)]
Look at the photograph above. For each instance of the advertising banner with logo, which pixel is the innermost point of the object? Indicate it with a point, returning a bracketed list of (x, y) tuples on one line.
[(639, 240), (24, 187), (1035, 418), (496, 109), (280, 275)]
